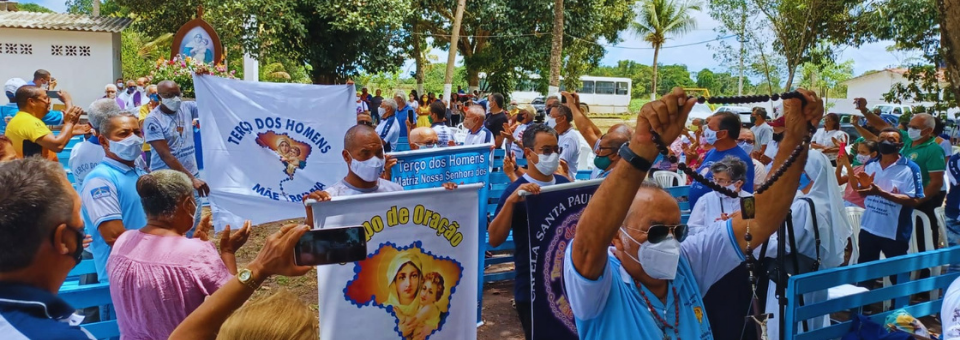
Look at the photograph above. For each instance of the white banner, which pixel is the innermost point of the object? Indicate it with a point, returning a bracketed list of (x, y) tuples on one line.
[(266, 145), (419, 280)]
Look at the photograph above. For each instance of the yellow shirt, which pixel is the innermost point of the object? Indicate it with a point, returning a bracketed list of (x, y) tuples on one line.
[(144, 111), (24, 130)]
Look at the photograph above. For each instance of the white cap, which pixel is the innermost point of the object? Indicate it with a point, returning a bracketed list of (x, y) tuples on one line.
[(13, 84)]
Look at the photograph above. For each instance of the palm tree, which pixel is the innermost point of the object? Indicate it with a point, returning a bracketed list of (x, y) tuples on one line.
[(658, 18)]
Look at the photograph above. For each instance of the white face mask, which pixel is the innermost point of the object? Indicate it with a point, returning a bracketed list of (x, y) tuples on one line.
[(548, 164), (127, 149), (112, 95), (748, 148), (368, 170), (914, 133), (863, 159), (709, 136), (381, 111), (172, 104), (659, 260), (551, 122), (732, 187)]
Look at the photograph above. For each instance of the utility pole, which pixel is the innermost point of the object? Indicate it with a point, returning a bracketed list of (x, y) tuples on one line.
[(742, 39), (452, 55), (556, 49)]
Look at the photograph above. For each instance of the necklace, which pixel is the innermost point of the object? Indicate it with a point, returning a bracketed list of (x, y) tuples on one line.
[(661, 320)]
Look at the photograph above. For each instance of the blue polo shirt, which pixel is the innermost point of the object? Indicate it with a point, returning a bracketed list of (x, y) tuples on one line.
[(882, 217), (697, 189), (611, 307), (110, 193), (28, 312)]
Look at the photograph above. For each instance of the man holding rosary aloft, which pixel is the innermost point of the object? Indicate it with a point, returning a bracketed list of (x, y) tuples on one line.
[(650, 284)]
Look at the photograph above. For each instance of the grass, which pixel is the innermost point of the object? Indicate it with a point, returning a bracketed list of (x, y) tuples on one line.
[(636, 103)]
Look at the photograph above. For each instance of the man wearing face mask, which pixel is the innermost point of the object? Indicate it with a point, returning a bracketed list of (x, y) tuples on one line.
[(762, 131), (404, 113), (892, 187), (560, 119), (41, 79), (41, 240), (497, 117), (111, 204), (51, 119), (919, 145), (363, 153), (543, 155), (477, 133), (131, 97), (169, 130), (154, 101), (375, 102), (606, 153), (722, 131), (29, 135), (424, 138), (86, 155), (524, 117), (390, 128), (748, 143), (650, 284)]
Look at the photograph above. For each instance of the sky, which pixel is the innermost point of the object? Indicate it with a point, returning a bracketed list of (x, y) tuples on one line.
[(697, 57)]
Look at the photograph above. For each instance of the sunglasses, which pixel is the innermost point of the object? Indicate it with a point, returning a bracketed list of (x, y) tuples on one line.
[(658, 232), (748, 141)]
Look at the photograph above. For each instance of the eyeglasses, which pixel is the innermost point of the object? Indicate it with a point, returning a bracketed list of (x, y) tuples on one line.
[(658, 232), (723, 182), (549, 151), (428, 145), (748, 141)]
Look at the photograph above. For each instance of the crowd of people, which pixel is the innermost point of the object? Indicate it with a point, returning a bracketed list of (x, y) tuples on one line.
[(135, 209)]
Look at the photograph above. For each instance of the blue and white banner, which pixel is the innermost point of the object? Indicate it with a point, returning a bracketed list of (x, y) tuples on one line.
[(430, 168), (552, 222), (266, 145)]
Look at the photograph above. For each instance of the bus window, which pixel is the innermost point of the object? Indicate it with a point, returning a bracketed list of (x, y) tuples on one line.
[(587, 87), (623, 88), (605, 87)]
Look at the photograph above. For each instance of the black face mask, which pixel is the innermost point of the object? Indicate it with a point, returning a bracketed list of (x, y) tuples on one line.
[(777, 137), (520, 117), (888, 148), (77, 253)]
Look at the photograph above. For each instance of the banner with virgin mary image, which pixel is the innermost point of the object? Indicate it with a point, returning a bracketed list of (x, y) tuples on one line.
[(419, 278)]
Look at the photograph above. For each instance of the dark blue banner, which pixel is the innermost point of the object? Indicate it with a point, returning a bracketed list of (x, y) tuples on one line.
[(430, 168), (552, 218)]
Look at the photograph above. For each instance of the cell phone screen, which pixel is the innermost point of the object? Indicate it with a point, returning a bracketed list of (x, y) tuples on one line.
[(327, 246), (53, 94), (843, 150)]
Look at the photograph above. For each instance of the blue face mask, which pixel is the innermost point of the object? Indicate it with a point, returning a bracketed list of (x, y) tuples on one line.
[(804, 180)]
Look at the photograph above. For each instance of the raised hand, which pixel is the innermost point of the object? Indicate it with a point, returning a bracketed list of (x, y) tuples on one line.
[(798, 115), (563, 169), (230, 242), (276, 257), (666, 116), (865, 181), (507, 132), (72, 115), (509, 163), (204, 228)]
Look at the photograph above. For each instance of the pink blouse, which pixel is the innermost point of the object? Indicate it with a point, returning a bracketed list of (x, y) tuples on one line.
[(851, 195), (156, 281)]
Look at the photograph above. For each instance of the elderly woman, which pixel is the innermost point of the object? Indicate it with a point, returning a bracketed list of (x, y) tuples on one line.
[(158, 276), (730, 173), (405, 277), (110, 91)]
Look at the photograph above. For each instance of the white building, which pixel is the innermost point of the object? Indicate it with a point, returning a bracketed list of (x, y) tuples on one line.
[(872, 86), (81, 52)]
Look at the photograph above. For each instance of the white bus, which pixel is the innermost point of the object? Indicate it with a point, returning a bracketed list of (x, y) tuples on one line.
[(603, 95)]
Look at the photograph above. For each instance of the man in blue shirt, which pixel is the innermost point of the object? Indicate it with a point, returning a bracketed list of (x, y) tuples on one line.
[(650, 284), (169, 130), (111, 204), (41, 240), (722, 131), (543, 154)]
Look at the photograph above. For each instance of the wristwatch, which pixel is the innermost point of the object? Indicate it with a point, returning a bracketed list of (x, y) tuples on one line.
[(245, 276), (638, 162)]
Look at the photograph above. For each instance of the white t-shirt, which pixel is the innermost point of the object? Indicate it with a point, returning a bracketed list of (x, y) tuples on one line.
[(759, 173), (483, 136), (825, 138), (950, 312), (389, 131), (762, 134), (83, 158), (518, 136), (570, 143), (885, 218), (709, 209), (361, 107), (771, 152), (343, 188)]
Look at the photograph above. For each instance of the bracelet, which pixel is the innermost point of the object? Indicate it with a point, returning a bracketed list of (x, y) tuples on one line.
[(635, 160)]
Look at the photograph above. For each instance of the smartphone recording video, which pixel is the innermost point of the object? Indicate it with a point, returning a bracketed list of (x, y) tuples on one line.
[(53, 94), (328, 246)]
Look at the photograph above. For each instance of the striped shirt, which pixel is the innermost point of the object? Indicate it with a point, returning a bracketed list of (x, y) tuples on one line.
[(28, 312)]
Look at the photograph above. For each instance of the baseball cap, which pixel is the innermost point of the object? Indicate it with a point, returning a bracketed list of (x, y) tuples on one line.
[(779, 122), (13, 84)]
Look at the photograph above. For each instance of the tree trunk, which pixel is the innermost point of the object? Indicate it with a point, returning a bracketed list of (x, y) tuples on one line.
[(452, 55), (324, 77), (793, 70), (653, 87), (950, 42), (418, 57), (766, 70), (556, 48), (96, 8), (473, 78)]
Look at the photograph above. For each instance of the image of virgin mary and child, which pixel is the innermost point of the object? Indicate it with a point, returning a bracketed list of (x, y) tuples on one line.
[(199, 48), (414, 295)]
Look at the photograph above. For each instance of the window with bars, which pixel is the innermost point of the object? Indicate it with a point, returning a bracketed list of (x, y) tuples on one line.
[(84, 51), (10, 48), (71, 51), (26, 48), (56, 50)]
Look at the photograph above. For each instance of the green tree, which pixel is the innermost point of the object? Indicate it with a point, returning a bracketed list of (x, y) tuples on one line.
[(671, 76), (28, 7), (706, 79), (656, 19), (826, 77), (107, 7)]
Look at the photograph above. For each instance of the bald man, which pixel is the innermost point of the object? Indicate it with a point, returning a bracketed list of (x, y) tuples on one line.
[(476, 132), (424, 138)]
